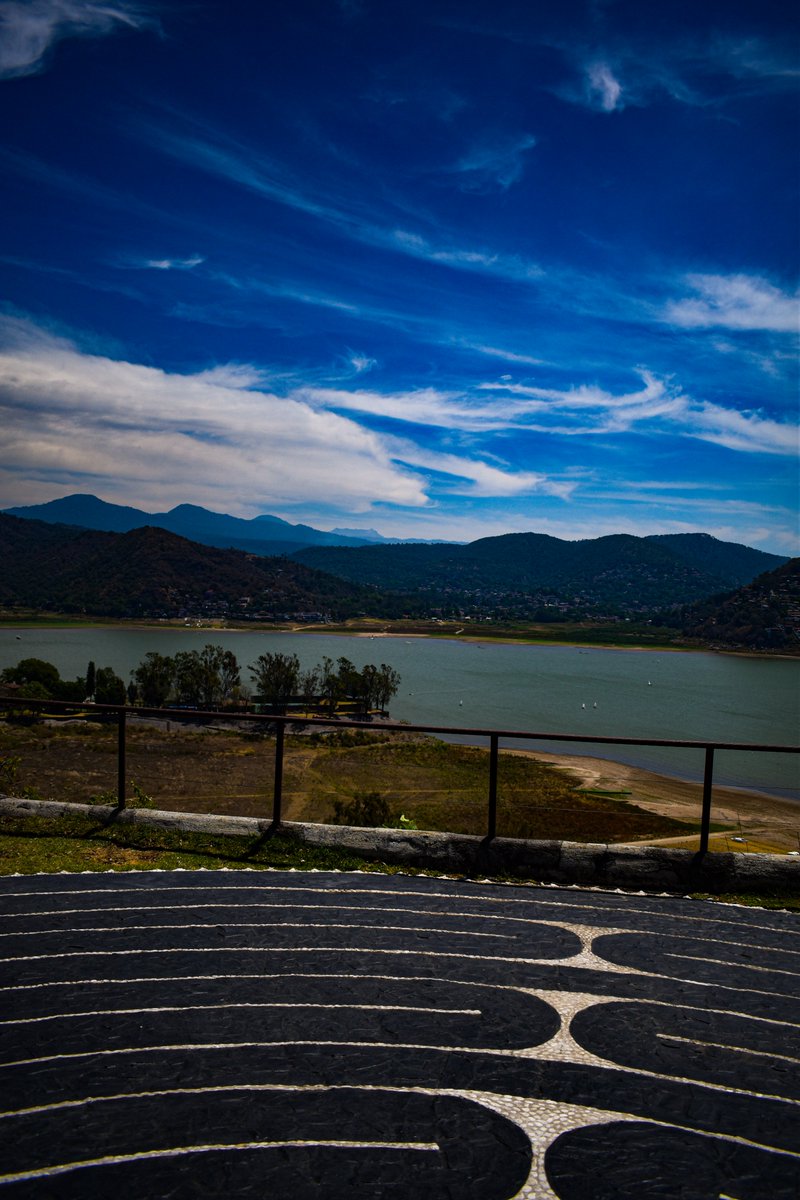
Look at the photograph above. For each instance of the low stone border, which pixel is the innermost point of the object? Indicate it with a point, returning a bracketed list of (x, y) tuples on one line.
[(652, 868)]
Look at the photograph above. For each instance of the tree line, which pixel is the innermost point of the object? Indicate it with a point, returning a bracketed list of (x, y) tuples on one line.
[(211, 678)]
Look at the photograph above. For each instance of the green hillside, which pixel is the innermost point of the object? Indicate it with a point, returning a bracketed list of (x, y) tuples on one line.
[(150, 572), (618, 573), (764, 615)]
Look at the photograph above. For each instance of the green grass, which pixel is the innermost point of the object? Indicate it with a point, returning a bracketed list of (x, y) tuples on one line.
[(31, 845)]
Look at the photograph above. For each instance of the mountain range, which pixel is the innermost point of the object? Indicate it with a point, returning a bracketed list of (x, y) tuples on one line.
[(264, 534), (130, 568), (154, 573), (524, 574)]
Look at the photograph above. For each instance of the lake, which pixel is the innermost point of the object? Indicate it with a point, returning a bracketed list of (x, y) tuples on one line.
[(543, 689)]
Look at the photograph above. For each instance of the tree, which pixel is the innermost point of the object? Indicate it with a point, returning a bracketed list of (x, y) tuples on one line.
[(386, 684), (275, 677), (219, 675), (90, 679), (230, 678), (328, 685), (153, 678), (308, 685), (108, 687), (34, 670), (349, 679), (188, 677)]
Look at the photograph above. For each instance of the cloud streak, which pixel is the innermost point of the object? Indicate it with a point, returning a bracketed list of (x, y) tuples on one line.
[(744, 302), (30, 30)]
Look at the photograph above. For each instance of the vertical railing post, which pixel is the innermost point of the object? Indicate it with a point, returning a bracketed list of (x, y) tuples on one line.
[(121, 758), (277, 793), (705, 819), (493, 752)]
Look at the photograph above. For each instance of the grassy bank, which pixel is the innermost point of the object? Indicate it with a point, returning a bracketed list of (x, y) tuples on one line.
[(574, 633), (429, 784), (31, 845)]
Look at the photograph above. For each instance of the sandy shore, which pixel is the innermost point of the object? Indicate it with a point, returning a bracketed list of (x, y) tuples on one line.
[(765, 823)]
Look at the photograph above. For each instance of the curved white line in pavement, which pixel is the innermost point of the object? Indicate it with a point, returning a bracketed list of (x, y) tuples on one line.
[(226, 1006), (221, 884), (112, 1160)]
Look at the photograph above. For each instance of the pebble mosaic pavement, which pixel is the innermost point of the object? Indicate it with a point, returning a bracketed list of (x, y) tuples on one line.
[(242, 1034)]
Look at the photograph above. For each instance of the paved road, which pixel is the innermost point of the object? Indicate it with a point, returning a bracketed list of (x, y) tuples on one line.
[(290, 1035)]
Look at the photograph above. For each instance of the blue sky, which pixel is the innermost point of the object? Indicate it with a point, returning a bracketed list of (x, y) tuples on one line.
[(445, 269)]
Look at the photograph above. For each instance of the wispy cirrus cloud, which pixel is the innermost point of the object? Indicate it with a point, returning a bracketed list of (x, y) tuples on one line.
[(349, 213), (493, 164), (484, 479), (173, 264), (620, 68), (29, 30), (658, 405), (745, 302), (584, 410)]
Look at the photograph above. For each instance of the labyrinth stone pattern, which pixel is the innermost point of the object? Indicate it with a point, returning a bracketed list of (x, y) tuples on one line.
[(248, 1034)]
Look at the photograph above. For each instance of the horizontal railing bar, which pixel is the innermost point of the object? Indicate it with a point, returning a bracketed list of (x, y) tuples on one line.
[(188, 714)]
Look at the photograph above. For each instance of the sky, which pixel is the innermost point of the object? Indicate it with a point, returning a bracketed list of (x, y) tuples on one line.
[(444, 269)]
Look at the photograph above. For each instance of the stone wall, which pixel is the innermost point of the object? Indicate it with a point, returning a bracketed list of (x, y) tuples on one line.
[(648, 868)]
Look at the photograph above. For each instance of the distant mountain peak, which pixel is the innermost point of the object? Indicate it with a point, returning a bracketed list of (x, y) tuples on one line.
[(367, 535)]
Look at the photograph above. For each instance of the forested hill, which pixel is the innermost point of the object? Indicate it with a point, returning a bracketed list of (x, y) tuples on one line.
[(618, 572), (150, 572), (764, 615)]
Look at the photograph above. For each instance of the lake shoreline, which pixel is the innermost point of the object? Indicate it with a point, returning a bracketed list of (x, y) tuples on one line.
[(758, 817), (524, 639)]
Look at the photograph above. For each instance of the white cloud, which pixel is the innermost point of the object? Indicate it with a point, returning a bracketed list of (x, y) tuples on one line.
[(745, 302), (174, 264), (584, 410), (507, 266), (508, 355), (29, 30), (496, 163), (484, 479), (67, 414), (657, 405), (743, 430), (603, 90), (361, 363), (423, 406)]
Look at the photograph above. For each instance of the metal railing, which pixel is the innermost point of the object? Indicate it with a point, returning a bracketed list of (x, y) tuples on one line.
[(280, 723)]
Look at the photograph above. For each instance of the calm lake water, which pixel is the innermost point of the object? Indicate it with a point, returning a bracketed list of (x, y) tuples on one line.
[(540, 689)]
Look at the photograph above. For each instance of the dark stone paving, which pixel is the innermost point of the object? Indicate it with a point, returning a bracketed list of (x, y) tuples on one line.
[(225, 1034)]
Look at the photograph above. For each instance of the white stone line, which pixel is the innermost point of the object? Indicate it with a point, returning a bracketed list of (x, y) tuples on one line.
[(223, 885), (531, 1055), (108, 982), (551, 922), (673, 1037), (111, 1160), (727, 963), (550, 996), (470, 933), (141, 908), (506, 1104), (210, 950), (226, 1006)]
